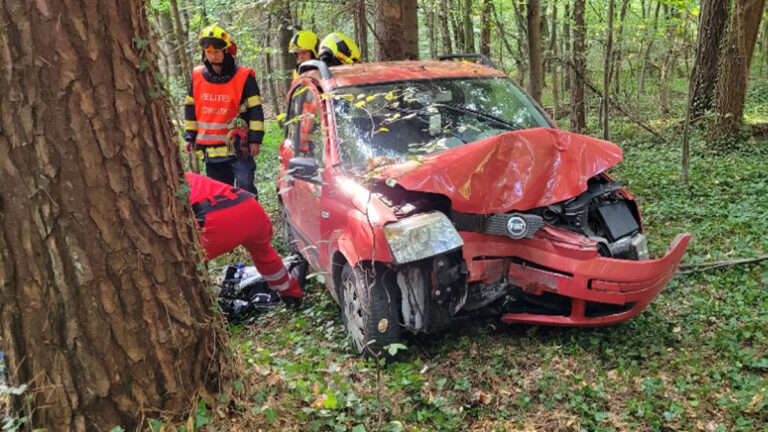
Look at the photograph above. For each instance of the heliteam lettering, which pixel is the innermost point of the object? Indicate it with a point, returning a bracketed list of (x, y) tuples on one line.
[(215, 97)]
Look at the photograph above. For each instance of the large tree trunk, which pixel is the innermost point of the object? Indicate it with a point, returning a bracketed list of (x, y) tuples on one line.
[(567, 48), (604, 106), (533, 20), (397, 27), (102, 312), (578, 116), (485, 29), (733, 73), (714, 15)]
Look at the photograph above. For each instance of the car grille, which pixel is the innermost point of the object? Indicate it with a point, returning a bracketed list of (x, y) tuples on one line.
[(496, 223)]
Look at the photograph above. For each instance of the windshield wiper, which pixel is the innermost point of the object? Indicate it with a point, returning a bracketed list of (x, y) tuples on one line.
[(482, 115)]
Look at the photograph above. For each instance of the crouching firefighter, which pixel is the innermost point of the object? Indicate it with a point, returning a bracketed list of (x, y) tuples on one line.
[(229, 217), (224, 119)]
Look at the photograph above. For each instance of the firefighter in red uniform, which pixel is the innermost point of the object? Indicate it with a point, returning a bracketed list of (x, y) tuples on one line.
[(229, 217), (224, 119), (304, 45)]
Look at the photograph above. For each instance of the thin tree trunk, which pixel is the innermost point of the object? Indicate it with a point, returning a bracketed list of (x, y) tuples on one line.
[(522, 35), (733, 74), (618, 54), (469, 32), (555, 64), (578, 115), (605, 114), (102, 312), (533, 17), (430, 19), (712, 23), (567, 48), (647, 54), (284, 35), (181, 42), (362, 41), (458, 26), (485, 29)]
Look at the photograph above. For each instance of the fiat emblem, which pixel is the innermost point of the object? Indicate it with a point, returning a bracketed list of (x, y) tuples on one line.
[(517, 227)]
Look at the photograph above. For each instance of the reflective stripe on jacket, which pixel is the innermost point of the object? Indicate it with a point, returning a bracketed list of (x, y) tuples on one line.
[(216, 104)]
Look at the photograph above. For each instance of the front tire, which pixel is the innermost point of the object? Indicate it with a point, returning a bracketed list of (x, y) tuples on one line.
[(369, 308)]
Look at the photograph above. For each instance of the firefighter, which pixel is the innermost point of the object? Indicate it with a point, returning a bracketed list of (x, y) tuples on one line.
[(304, 45), (338, 49), (224, 119), (229, 217)]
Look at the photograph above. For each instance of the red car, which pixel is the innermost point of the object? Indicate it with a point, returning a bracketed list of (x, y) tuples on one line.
[(430, 191)]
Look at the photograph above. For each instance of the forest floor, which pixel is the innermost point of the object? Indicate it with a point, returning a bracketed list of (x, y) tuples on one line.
[(696, 359)]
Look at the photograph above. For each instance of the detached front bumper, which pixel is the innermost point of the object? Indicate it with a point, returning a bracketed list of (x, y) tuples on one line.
[(564, 268)]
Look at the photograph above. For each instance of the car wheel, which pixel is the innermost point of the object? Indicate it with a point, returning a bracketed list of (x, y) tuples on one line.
[(369, 308), (288, 238)]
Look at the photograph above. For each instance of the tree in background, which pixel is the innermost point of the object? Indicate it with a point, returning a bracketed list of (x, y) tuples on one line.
[(397, 30), (102, 310), (714, 15), (533, 19), (733, 72), (578, 115)]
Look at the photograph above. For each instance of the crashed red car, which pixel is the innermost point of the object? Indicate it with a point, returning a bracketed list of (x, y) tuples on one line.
[(430, 191)]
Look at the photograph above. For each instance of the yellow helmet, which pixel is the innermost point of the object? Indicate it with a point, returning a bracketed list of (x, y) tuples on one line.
[(214, 37), (303, 40), (342, 47)]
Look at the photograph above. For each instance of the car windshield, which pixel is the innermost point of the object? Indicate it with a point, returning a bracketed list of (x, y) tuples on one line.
[(404, 119)]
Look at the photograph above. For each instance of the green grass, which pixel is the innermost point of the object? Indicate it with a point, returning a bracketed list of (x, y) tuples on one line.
[(696, 359)]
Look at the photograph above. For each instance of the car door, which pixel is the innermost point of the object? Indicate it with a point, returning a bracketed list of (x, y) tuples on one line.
[(303, 196)]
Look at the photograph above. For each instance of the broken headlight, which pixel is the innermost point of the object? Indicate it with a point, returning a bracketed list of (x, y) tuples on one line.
[(421, 236)]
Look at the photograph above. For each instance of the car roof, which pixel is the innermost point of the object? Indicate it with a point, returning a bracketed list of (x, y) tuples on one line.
[(369, 73)]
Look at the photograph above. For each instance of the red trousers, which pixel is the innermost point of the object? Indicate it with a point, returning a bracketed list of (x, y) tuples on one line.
[(247, 224)]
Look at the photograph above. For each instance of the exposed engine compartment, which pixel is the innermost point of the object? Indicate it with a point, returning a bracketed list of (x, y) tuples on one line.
[(435, 292)]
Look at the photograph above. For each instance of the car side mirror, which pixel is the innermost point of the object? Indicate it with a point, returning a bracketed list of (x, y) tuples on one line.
[(303, 168)]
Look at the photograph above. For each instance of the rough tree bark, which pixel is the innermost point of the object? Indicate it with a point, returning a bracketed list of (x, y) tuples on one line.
[(714, 15), (578, 116), (733, 73), (397, 29), (533, 20), (102, 312)]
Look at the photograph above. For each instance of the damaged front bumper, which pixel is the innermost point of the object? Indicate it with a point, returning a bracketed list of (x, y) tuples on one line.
[(563, 280)]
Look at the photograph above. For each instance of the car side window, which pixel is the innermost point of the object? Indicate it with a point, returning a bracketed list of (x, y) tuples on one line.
[(311, 128), (294, 113)]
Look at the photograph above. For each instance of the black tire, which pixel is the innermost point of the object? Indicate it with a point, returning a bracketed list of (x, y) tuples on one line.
[(369, 308), (287, 234)]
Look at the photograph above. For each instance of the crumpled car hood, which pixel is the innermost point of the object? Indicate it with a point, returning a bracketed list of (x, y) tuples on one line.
[(517, 170)]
